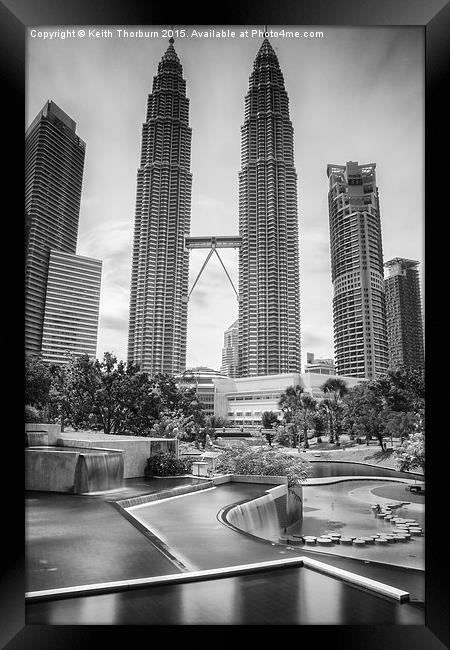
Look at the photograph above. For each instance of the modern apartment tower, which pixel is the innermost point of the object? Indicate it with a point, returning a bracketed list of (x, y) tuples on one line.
[(71, 307), (230, 351), (160, 265), (359, 314), (269, 306), (404, 313), (54, 162)]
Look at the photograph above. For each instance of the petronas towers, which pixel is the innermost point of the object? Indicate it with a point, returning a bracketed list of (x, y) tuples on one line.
[(269, 309), (160, 266), (269, 303)]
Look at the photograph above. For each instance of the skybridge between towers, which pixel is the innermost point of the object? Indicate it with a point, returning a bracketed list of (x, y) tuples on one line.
[(213, 243)]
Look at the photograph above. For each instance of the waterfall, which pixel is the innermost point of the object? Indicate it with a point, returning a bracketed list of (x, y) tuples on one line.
[(258, 517), (98, 470), (36, 438)]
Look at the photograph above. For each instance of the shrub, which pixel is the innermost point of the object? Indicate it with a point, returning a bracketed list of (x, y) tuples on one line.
[(167, 464), (32, 414), (258, 462)]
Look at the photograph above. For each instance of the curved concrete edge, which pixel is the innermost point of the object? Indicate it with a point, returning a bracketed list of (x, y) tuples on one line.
[(326, 480), (167, 498), (359, 462), (223, 572), (162, 495)]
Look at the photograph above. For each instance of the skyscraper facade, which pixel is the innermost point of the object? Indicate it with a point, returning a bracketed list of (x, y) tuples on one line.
[(269, 307), (160, 265), (71, 307), (230, 351), (54, 163), (404, 313), (359, 314)]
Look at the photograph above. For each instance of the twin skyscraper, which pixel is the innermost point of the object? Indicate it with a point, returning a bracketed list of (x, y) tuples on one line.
[(377, 323), (269, 301)]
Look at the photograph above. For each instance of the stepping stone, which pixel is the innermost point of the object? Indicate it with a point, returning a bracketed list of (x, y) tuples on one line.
[(390, 539), (400, 538), (410, 521), (359, 542), (415, 531), (324, 540), (380, 515), (381, 540), (346, 540), (368, 540)]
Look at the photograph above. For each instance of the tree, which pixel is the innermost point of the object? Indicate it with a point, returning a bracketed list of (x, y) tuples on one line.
[(284, 436), (217, 422), (290, 405), (365, 409), (38, 381), (400, 425), (268, 419), (402, 390), (336, 389), (255, 461), (325, 408), (307, 408), (411, 454), (319, 423)]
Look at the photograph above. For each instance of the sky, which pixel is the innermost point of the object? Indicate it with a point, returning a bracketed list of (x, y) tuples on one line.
[(355, 94)]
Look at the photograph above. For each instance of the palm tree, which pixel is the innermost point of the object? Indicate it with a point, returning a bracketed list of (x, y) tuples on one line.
[(308, 406), (336, 388), (326, 405), (290, 404)]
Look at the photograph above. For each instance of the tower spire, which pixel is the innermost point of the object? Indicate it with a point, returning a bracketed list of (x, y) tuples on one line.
[(171, 39)]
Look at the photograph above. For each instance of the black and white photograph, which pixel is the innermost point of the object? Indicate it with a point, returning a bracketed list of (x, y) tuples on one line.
[(224, 325)]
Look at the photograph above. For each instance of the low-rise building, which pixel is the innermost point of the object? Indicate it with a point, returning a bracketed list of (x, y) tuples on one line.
[(243, 401)]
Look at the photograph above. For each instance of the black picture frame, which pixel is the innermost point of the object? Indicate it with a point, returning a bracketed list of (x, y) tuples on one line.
[(434, 17)]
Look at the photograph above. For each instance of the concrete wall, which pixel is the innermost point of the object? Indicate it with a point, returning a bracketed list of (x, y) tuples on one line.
[(50, 472), (247, 478), (53, 430), (136, 450)]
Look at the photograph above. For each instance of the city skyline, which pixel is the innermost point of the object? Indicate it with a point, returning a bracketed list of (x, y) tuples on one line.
[(391, 67)]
